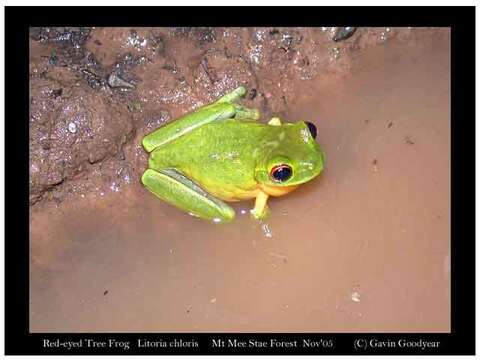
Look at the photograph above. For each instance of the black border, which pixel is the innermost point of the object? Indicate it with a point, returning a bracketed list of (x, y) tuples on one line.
[(461, 20)]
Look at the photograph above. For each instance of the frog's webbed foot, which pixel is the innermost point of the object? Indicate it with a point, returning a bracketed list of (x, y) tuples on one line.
[(260, 211), (244, 113), (241, 112), (232, 96), (176, 189)]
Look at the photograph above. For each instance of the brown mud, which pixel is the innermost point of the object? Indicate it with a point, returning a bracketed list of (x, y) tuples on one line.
[(365, 247)]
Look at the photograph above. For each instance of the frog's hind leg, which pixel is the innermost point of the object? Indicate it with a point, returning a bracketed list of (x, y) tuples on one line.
[(174, 188), (241, 112), (232, 95), (244, 113), (224, 108), (187, 123)]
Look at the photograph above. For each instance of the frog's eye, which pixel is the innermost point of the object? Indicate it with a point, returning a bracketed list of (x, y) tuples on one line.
[(281, 173), (312, 128)]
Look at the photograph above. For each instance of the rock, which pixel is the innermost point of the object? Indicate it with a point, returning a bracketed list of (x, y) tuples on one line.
[(66, 132)]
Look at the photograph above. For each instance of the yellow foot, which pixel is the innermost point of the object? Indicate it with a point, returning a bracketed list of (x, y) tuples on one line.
[(260, 215), (260, 211), (275, 121)]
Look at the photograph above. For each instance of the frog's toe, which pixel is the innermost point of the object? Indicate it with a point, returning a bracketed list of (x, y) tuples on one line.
[(244, 113), (260, 215), (233, 95)]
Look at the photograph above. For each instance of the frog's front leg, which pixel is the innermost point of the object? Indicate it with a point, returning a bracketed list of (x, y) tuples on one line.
[(176, 189), (260, 211), (275, 121), (222, 109)]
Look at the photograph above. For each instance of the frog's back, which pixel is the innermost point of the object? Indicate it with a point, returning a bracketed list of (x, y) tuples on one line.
[(220, 156)]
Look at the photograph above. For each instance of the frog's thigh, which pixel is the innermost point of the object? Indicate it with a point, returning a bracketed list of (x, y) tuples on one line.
[(188, 123), (174, 188), (260, 211)]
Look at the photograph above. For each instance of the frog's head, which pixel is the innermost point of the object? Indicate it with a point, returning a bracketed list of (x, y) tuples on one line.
[(291, 156)]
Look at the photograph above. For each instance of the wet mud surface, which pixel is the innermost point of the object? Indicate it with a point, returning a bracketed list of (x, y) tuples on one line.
[(365, 247)]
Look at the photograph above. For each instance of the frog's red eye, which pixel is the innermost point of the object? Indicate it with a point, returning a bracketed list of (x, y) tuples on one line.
[(281, 173)]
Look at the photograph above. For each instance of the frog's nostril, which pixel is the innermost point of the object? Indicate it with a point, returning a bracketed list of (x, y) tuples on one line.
[(312, 128)]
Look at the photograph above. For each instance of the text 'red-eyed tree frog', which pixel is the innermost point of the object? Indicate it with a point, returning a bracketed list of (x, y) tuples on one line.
[(221, 152)]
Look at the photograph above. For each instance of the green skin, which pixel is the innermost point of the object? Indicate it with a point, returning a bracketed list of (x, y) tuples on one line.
[(220, 152)]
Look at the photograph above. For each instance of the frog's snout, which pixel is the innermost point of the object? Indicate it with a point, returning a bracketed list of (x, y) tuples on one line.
[(312, 128)]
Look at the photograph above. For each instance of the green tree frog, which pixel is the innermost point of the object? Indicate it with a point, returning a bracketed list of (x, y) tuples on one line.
[(221, 152)]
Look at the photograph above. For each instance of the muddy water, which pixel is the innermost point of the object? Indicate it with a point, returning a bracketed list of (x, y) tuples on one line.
[(364, 248)]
